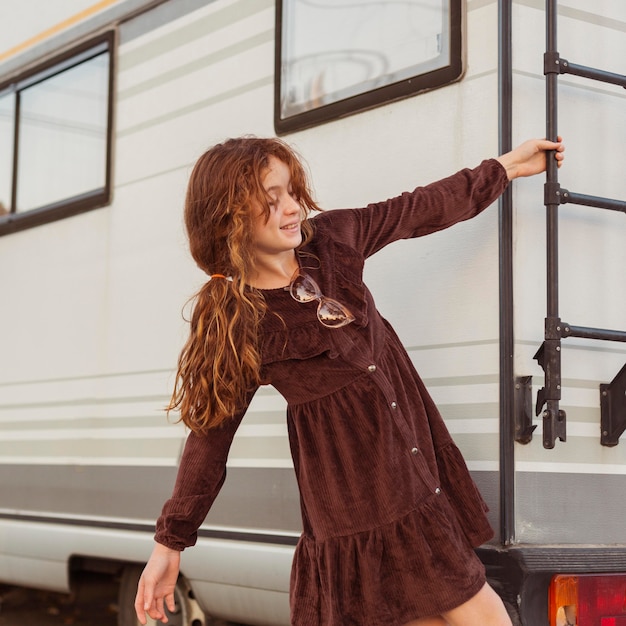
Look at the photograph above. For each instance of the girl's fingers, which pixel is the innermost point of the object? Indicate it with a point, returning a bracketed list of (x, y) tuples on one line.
[(171, 604)]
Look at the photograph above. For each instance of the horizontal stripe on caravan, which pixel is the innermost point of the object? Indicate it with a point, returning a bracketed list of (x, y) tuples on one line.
[(147, 461), (481, 425), (197, 64), (221, 97), (577, 14), (574, 429), (266, 397), (584, 85), (482, 379), (474, 426), (478, 448), (555, 467), (581, 414), (455, 344), (19, 420), (159, 448), (85, 377), (478, 442), (266, 81), (196, 29), (270, 448), (169, 372), (160, 399), (267, 498), (587, 346), (102, 461), (457, 381), (147, 432), (483, 466), (57, 28), (266, 410), (483, 410), (44, 417), (582, 454), (207, 533)]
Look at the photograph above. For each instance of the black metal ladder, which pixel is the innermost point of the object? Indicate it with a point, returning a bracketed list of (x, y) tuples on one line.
[(613, 395)]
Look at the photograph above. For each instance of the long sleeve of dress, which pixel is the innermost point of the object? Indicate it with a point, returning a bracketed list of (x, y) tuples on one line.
[(423, 211), (201, 474)]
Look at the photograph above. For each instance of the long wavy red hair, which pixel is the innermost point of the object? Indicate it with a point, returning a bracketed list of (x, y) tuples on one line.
[(220, 362)]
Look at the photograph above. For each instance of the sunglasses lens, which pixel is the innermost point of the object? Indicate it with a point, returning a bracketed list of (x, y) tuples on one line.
[(304, 289), (333, 314), (330, 312)]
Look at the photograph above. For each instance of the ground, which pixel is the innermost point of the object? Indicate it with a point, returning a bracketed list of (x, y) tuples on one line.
[(93, 603)]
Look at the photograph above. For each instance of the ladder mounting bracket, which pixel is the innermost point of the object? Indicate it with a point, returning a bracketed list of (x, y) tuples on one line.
[(552, 63), (548, 357), (524, 426), (554, 194), (613, 409)]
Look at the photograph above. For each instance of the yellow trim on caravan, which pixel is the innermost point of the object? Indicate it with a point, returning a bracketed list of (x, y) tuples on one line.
[(53, 30)]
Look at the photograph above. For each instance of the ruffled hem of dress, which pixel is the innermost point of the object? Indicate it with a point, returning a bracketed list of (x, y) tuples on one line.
[(418, 566)]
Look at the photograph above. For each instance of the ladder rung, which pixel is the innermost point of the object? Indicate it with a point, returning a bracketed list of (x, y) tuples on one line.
[(594, 201), (592, 333), (565, 67)]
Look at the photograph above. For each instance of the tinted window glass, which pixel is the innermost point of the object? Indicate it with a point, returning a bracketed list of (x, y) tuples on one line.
[(63, 135), (7, 128), (340, 56)]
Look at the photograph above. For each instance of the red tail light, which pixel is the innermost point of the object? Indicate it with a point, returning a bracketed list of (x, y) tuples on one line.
[(588, 600)]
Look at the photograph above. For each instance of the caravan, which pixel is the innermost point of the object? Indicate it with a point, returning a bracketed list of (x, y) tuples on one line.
[(516, 320)]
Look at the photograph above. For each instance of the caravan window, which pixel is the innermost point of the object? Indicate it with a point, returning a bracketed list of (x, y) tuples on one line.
[(335, 57), (7, 115), (55, 136)]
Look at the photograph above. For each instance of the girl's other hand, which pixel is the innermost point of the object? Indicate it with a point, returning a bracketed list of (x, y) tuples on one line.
[(157, 584)]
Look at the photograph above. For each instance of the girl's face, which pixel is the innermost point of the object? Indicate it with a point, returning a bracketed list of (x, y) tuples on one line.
[(281, 231)]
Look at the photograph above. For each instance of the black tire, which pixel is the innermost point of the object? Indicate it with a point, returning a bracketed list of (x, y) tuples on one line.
[(187, 613)]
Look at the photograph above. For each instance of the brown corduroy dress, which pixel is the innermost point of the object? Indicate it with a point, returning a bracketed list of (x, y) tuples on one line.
[(390, 512)]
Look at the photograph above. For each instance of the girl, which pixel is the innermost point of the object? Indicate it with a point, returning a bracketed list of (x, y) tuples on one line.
[(390, 513)]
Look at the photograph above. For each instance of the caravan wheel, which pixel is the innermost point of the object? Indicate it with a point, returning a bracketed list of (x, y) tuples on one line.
[(187, 613)]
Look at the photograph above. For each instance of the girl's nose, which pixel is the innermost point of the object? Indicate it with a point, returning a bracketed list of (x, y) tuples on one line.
[(293, 205)]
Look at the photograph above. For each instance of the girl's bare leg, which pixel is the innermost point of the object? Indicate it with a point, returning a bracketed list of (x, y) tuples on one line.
[(484, 609), (428, 621)]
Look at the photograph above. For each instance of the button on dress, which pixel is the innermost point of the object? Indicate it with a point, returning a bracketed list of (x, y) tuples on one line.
[(390, 512)]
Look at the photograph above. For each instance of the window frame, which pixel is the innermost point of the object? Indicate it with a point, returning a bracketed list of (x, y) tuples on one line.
[(68, 207), (376, 97)]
